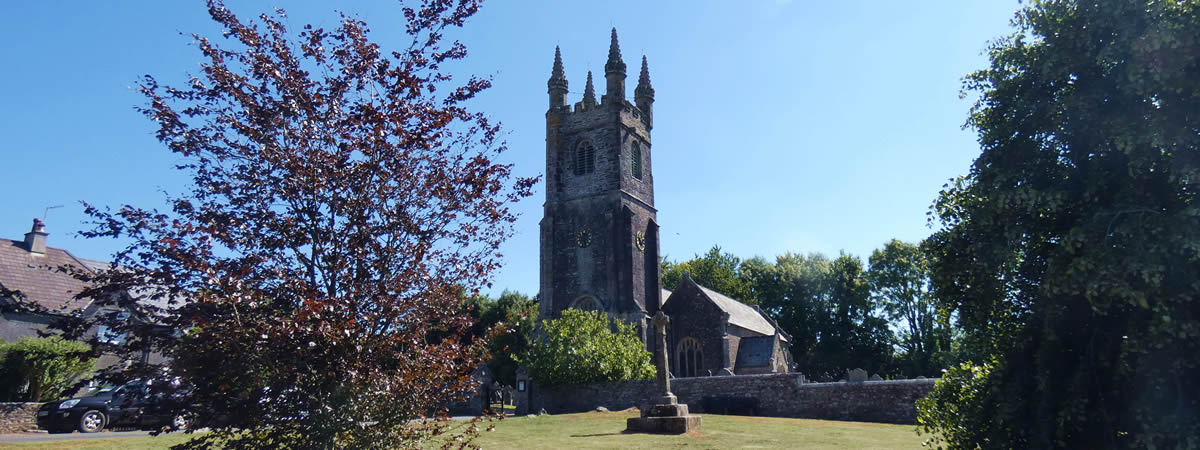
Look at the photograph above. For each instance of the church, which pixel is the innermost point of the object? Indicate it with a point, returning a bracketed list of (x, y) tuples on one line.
[(600, 236)]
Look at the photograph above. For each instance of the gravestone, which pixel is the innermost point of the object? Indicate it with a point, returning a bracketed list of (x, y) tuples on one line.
[(876, 377), (856, 376), (667, 415)]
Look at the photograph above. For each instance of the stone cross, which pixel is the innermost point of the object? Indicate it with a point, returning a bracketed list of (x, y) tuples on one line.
[(664, 374)]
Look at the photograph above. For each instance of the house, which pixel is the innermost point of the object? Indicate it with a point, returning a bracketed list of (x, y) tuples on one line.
[(37, 288)]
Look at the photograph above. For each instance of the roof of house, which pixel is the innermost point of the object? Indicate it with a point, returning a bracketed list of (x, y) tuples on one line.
[(755, 351), (38, 278)]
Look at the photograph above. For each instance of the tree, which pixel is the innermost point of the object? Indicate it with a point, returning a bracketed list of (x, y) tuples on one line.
[(714, 270), (343, 199), (587, 347), (1069, 250), (899, 281), (37, 369), (508, 324), (824, 305)]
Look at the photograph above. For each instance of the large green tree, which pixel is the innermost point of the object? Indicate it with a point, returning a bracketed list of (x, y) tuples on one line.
[(826, 308), (1071, 250), (507, 323), (716, 270), (899, 281)]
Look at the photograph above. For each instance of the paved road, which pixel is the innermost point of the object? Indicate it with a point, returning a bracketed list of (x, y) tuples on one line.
[(44, 437)]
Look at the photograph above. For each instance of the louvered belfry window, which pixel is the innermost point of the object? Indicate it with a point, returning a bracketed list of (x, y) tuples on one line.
[(636, 155), (585, 158)]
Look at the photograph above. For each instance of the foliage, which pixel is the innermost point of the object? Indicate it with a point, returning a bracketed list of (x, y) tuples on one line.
[(508, 323), (714, 270), (343, 198), (37, 369), (587, 347), (826, 308), (899, 282), (1070, 250), (952, 412)]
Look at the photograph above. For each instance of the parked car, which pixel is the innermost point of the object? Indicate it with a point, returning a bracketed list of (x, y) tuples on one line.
[(139, 404)]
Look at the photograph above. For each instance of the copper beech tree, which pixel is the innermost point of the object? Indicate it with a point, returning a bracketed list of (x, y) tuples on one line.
[(342, 199)]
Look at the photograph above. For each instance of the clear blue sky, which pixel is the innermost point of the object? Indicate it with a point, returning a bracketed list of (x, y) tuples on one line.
[(780, 125)]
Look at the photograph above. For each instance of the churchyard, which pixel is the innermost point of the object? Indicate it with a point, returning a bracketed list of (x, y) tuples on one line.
[(605, 430)]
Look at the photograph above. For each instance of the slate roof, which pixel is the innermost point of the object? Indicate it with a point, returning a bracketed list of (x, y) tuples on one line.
[(755, 351), (740, 314), (37, 276)]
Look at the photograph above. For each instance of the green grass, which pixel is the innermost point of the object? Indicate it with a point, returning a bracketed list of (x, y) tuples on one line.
[(604, 430), (596, 430), (142, 443)]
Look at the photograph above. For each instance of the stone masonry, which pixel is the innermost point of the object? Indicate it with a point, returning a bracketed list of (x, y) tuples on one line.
[(18, 417), (599, 235), (775, 395)]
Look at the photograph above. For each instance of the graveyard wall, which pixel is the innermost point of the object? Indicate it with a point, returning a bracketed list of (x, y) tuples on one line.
[(775, 395)]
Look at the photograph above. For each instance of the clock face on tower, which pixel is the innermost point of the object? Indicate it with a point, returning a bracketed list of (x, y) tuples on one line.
[(639, 239), (583, 238)]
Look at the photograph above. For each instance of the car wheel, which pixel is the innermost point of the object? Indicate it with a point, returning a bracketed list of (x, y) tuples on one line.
[(91, 422), (179, 422)]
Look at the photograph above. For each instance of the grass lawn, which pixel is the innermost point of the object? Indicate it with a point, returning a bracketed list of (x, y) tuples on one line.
[(142, 443), (604, 430)]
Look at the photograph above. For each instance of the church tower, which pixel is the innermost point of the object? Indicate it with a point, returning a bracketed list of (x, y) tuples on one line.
[(599, 235)]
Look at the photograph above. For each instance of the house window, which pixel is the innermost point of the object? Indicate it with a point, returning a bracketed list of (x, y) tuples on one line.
[(107, 335), (636, 156), (690, 359), (585, 158)]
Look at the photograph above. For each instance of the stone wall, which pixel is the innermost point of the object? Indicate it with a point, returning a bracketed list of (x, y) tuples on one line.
[(776, 395), (18, 417)]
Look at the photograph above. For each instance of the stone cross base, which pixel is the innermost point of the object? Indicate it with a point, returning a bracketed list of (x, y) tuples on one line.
[(672, 419)]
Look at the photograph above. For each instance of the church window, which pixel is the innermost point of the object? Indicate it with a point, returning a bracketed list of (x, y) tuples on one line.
[(690, 359), (585, 158), (586, 303), (636, 155)]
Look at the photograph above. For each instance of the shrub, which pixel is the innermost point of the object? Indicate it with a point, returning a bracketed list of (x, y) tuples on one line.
[(587, 347), (42, 368)]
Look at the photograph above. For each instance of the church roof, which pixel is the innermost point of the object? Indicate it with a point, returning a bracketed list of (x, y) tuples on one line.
[(740, 314)]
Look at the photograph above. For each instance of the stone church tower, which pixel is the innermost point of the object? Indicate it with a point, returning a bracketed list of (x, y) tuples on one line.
[(599, 236)]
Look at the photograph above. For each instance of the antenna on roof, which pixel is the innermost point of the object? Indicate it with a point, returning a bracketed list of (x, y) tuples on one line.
[(47, 211)]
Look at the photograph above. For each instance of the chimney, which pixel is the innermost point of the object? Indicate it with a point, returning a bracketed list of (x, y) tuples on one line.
[(35, 240)]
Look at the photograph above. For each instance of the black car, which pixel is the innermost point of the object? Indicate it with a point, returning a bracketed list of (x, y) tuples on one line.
[(138, 404)]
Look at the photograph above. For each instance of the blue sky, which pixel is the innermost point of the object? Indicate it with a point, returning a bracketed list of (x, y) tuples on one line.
[(779, 125)]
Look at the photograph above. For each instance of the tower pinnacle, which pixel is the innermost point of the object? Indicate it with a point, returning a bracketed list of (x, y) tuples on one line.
[(557, 84), (614, 73), (644, 93), (589, 93)]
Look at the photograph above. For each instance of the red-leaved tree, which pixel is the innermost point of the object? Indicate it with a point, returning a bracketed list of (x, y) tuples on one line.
[(343, 199)]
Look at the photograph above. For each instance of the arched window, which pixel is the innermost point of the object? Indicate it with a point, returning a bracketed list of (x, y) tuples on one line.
[(587, 303), (636, 155), (585, 158), (689, 358)]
